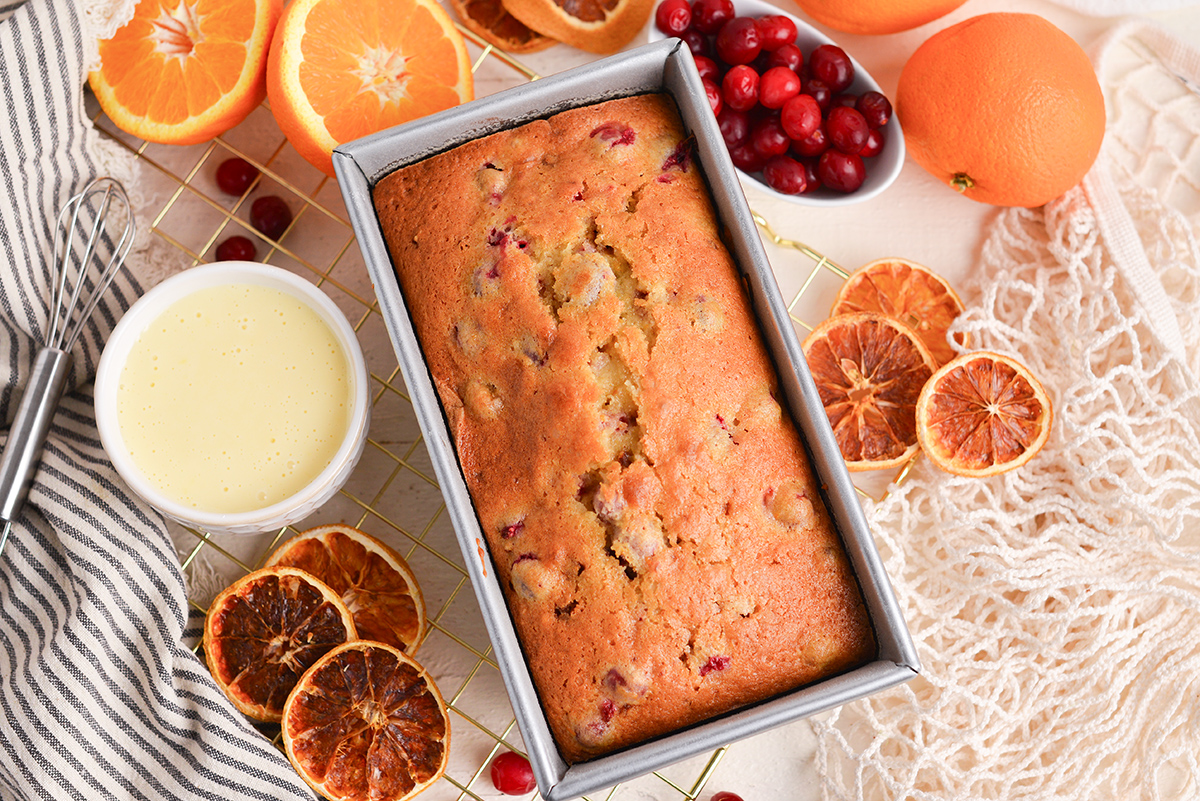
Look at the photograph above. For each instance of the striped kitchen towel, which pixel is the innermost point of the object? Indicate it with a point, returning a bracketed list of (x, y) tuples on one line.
[(99, 697)]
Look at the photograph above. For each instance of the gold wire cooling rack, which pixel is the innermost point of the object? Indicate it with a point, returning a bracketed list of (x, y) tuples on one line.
[(392, 493)]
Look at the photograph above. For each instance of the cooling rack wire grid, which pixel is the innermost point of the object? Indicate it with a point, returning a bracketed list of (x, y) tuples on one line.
[(392, 493)]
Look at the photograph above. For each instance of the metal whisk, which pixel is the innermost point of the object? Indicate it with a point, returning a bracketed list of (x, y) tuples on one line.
[(69, 312)]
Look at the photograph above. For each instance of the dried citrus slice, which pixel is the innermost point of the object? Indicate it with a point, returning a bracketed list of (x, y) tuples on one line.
[(367, 722), (341, 69), (869, 370), (491, 21), (597, 26), (981, 414), (184, 71), (910, 292), (264, 630), (373, 580)]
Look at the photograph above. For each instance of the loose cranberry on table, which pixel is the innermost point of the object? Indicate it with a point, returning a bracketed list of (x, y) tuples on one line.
[(270, 215), (235, 175), (512, 774), (237, 248), (725, 795)]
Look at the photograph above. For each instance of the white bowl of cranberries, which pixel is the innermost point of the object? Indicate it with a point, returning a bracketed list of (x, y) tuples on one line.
[(802, 120)]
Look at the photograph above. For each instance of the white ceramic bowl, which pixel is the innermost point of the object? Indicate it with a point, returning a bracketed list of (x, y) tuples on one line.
[(146, 310), (881, 170)]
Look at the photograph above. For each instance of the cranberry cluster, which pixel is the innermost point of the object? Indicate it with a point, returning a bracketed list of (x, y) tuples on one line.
[(790, 120), (269, 214)]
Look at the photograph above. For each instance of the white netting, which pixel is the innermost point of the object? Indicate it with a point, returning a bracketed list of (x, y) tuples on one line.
[(1056, 609)]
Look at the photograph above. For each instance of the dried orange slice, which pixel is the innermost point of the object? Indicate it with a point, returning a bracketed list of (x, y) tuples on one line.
[(492, 22), (981, 414), (265, 630), (376, 584), (869, 370), (597, 26), (367, 722), (184, 71), (341, 69), (910, 292)]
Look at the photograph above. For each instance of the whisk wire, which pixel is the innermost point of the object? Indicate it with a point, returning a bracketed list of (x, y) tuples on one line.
[(62, 333)]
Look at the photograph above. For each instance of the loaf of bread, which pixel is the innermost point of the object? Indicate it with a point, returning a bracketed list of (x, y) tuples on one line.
[(649, 507)]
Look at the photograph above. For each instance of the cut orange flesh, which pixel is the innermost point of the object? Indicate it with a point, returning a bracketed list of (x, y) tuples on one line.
[(490, 20), (597, 26), (339, 70), (981, 414), (265, 630), (869, 370), (910, 292), (374, 581), (366, 723), (184, 71)]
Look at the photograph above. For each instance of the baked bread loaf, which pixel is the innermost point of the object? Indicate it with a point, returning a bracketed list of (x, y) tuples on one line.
[(649, 508)]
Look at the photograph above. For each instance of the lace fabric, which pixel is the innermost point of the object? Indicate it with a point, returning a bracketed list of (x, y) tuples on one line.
[(1056, 608)]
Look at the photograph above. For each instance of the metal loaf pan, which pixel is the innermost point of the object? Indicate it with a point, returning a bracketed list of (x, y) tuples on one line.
[(667, 67)]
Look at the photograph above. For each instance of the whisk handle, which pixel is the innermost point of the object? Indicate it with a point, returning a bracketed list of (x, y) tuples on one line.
[(21, 454)]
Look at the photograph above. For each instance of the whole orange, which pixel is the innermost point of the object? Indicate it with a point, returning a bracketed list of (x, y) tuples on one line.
[(876, 16), (1004, 107)]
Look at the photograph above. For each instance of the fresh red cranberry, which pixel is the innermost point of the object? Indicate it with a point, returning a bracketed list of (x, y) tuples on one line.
[(697, 42), (709, 16), (820, 92), (875, 108), (844, 99), (512, 774), (768, 137), (707, 68), (814, 144), (874, 144), (777, 86), (841, 171), (237, 248), (800, 116), (789, 55), (734, 125), (775, 31), (846, 128), (829, 63), (738, 42), (725, 795), (235, 175), (270, 215), (739, 87), (746, 158), (812, 182), (673, 17), (713, 92), (785, 175)]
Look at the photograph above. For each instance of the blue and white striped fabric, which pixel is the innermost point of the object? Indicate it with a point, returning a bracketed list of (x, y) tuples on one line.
[(99, 696)]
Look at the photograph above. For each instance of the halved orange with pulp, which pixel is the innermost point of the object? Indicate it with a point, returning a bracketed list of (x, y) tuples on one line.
[(983, 413), (367, 723), (374, 581), (184, 71), (869, 370), (342, 69), (912, 293), (265, 630)]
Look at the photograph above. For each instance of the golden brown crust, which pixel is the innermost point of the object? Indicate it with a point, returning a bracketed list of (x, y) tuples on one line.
[(586, 24), (651, 513)]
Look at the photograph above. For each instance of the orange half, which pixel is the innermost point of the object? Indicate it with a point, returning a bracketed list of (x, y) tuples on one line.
[(339, 70), (184, 71)]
